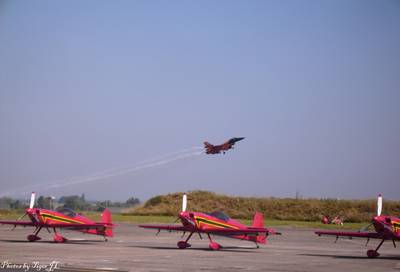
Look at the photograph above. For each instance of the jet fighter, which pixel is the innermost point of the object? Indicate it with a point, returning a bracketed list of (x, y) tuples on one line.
[(217, 149)]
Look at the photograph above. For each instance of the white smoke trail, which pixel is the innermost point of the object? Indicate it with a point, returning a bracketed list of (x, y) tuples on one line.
[(128, 167), (112, 172), (127, 171)]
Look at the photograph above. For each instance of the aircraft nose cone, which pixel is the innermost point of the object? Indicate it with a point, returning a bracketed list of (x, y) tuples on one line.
[(183, 214)]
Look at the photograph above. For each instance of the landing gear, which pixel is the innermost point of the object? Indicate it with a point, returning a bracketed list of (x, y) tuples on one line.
[(58, 238), (374, 253), (34, 237), (213, 245), (184, 244)]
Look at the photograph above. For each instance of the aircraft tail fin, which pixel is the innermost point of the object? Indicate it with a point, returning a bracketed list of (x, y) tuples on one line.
[(107, 219), (258, 220), (207, 144)]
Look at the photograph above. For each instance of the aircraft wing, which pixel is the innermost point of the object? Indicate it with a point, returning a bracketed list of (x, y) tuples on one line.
[(78, 226), (18, 223), (373, 235), (60, 225), (218, 231), (232, 141), (248, 231), (166, 227)]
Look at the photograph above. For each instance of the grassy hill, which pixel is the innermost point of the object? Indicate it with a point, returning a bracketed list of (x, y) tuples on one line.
[(273, 208)]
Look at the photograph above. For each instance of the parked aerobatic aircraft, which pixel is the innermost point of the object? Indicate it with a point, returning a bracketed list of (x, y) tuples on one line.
[(63, 219), (216, 223), (386, 228), (217, 149)]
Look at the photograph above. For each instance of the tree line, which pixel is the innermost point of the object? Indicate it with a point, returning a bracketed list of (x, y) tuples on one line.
[(74, 202)]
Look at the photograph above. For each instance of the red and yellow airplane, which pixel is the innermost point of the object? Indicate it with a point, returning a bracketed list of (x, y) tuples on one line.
[(63, 219), (386, 228), (216, 223), (217, 149)]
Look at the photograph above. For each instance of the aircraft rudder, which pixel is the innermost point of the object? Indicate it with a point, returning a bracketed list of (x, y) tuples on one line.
[(258, 220), (106, 218), (207, 144)]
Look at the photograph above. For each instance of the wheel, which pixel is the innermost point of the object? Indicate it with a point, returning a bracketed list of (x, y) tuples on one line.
[(59, 239), (372, 253), (183, 244), (33, 238), (214, 246)]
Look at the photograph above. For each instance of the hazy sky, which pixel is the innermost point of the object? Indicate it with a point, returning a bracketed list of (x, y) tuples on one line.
[(100, 86)]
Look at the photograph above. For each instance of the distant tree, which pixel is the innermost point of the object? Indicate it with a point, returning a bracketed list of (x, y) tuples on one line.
[(5, 202), (132, 201), (74, 202), (39, 202), (44, 202), (16, 204)]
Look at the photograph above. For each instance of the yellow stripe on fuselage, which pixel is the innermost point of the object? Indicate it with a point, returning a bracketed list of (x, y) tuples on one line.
[(396, 227), (46, 216), (208, 222)]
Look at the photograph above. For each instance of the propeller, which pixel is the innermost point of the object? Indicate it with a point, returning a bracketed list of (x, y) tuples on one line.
[(184, 205), (379, 205), (22, 216), (378, 212), (184, 202), (366, 227), (18, 219), (32, 203)]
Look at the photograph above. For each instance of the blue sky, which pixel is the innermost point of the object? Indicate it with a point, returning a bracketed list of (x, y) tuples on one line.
[(87, 87)]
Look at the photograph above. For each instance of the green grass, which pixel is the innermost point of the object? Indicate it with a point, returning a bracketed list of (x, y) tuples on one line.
[(287, 209), (137, 219), (141, 219), (313, 225), (160, 219)]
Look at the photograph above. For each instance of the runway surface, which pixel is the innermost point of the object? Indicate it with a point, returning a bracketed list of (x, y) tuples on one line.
[(135, 249)]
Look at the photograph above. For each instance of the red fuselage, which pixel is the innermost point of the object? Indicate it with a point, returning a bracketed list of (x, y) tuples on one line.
[(389, 226), (49, 218), (216, 149), (201, 222)]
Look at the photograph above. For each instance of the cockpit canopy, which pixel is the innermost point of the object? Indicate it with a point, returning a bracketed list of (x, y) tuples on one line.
[(67, 211), (220, 215)]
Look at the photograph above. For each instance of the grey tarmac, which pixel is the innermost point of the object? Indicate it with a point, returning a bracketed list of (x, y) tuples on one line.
[(136, 249)]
